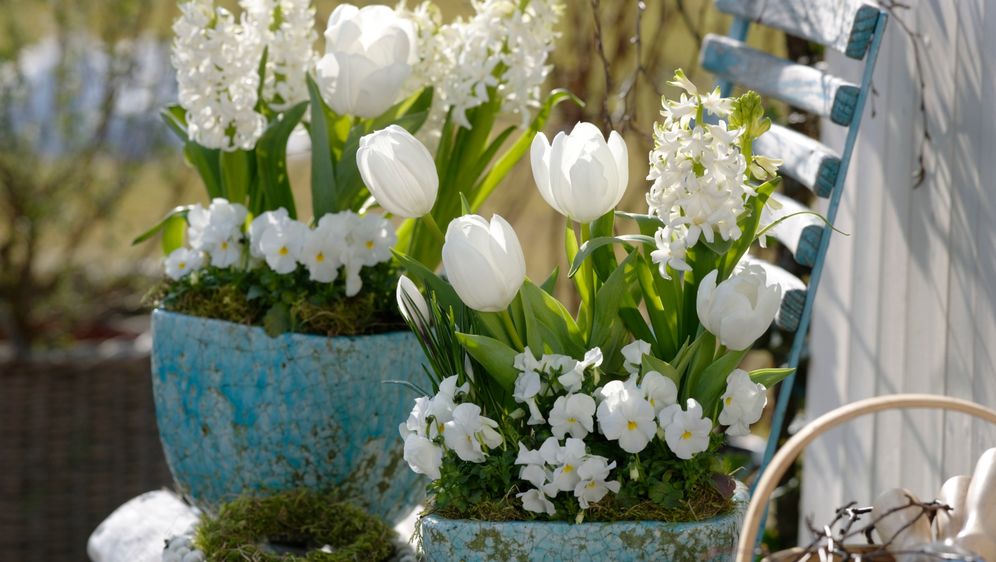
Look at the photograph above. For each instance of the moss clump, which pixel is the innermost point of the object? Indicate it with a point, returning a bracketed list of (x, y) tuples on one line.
[(301, 518)]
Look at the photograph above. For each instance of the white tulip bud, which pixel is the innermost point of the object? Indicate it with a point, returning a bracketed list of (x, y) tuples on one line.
[(368, 57), (483, 262), (581, 175), (740, 309), (399, 171), (411, 303)]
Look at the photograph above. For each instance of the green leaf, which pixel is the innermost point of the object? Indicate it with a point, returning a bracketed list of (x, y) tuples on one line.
[(663, 319), (323, 186), (769, 377), (751, 220), (508, 160), (648, 224), (277, 320), (444, 292), (551, 281), (409, 113), (557, 329), (180, 211), (708, 386), (651, 363), (775, 223), (607, 330), (204, 160), (595, 243), (604, 259), (174, 228), (236, 173), (271, 158), (350, 191), (635, 323), (496, 358)]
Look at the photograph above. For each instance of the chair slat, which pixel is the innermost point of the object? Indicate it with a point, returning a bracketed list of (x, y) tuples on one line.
[(844, 25), (800, 233), (806, 160), (798, 85), (793, 293)]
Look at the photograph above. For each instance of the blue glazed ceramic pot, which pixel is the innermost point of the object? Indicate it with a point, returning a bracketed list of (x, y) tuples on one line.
[(239, 411), (712, 540)]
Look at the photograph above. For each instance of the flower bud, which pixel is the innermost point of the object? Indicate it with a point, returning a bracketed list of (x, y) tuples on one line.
[(740, 309), (483, 262), (399, 171), (411, 303)]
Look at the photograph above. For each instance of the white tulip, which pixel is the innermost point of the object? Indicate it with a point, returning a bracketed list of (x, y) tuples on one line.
[(411, 303), (399, 171), (581, 175), (182, 261), (743, 403), (740, 309), (686, 432), (368, 56), (484, 262)]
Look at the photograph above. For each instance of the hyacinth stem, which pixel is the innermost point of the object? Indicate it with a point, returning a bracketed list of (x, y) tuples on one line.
[(513, 334)]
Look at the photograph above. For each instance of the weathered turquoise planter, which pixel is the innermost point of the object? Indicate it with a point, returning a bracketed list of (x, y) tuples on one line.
[(239, 411), (712, 540)]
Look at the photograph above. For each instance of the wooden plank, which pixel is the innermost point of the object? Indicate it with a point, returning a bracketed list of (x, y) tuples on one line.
[(799, 233), (799, 85), (806, 160), (844, 25), (793, 293)]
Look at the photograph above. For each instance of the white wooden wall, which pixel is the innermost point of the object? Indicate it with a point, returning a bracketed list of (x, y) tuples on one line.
[(908, 301)]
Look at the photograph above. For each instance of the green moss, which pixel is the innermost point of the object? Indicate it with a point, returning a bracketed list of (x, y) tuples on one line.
[(301, 518)]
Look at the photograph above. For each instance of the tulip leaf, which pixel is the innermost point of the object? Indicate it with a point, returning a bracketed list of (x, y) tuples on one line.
[(769, 377), (551, 281), (445, 294), (663, 319), (648, 224), (323, 186), (350, 191), (236, 173), (708, 385), (180, 211), (271, 158), (508, 160), (636, 324), (651, 363), (174, 227), (607, 330), (595, 243), (409, 113), (497, 358), (549, 324), (604, 259)]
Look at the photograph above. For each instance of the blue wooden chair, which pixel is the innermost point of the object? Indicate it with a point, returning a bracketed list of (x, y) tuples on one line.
[(847, 26)]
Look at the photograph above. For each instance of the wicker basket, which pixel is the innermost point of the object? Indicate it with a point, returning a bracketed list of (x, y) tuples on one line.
[(794, 446)]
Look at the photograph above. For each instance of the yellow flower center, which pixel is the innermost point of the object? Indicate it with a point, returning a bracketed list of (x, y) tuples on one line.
[(686, 435), (224, 245), (568, 468), (591, 484), (370, 244), (631, 426), (572, 420), (320, 257), (284, 251), (182, 265), (729, 400)]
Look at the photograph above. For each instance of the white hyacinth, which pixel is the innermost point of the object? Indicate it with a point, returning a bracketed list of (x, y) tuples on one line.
[(287, 28), (217, 59)]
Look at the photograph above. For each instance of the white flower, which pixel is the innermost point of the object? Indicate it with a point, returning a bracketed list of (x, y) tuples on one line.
[(423, 456), (624, 415), (225, 253), (671, 250), (536, 501), (582, 176), (660, 391), (573, 378), (322, 250), (573, 415), (740, 309), (441, 405), (262, 223), (217, 72), (368, 242), (368, 56), (412, 304), (633, 354), (417, 422), (593, 484), (281, 245), (469, 432), (399, 171), (686, 432), (220, 222), (565, 476), (743, 403), (288, 31), (527, 387), (182, 261), (484, 262)]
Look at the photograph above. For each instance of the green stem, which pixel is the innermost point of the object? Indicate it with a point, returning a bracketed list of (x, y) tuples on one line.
[(513, 334), (437, 232), (699, 115), (588, 271)]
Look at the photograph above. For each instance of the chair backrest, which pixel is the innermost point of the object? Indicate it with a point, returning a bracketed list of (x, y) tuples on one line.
[(847, 26)]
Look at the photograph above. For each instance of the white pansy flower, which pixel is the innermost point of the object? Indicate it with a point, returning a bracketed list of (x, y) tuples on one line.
[(660, 391), (183, 261), (468, 433), (417, 422), (535, 500), (633, 355), (565, 476), (686, 432), (368, 241), (625, 416), (743, 403), (593, 483), (321, 252), (221, 221), (423, 456), (573, 415), (573, 371), (281, 245), (527, 387), (225, 253), (262, 223), (740, 309), (441, 405)]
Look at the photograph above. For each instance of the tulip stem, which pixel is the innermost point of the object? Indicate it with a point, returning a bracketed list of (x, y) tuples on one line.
[(513, 334), (433, 227), (588, 268)]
